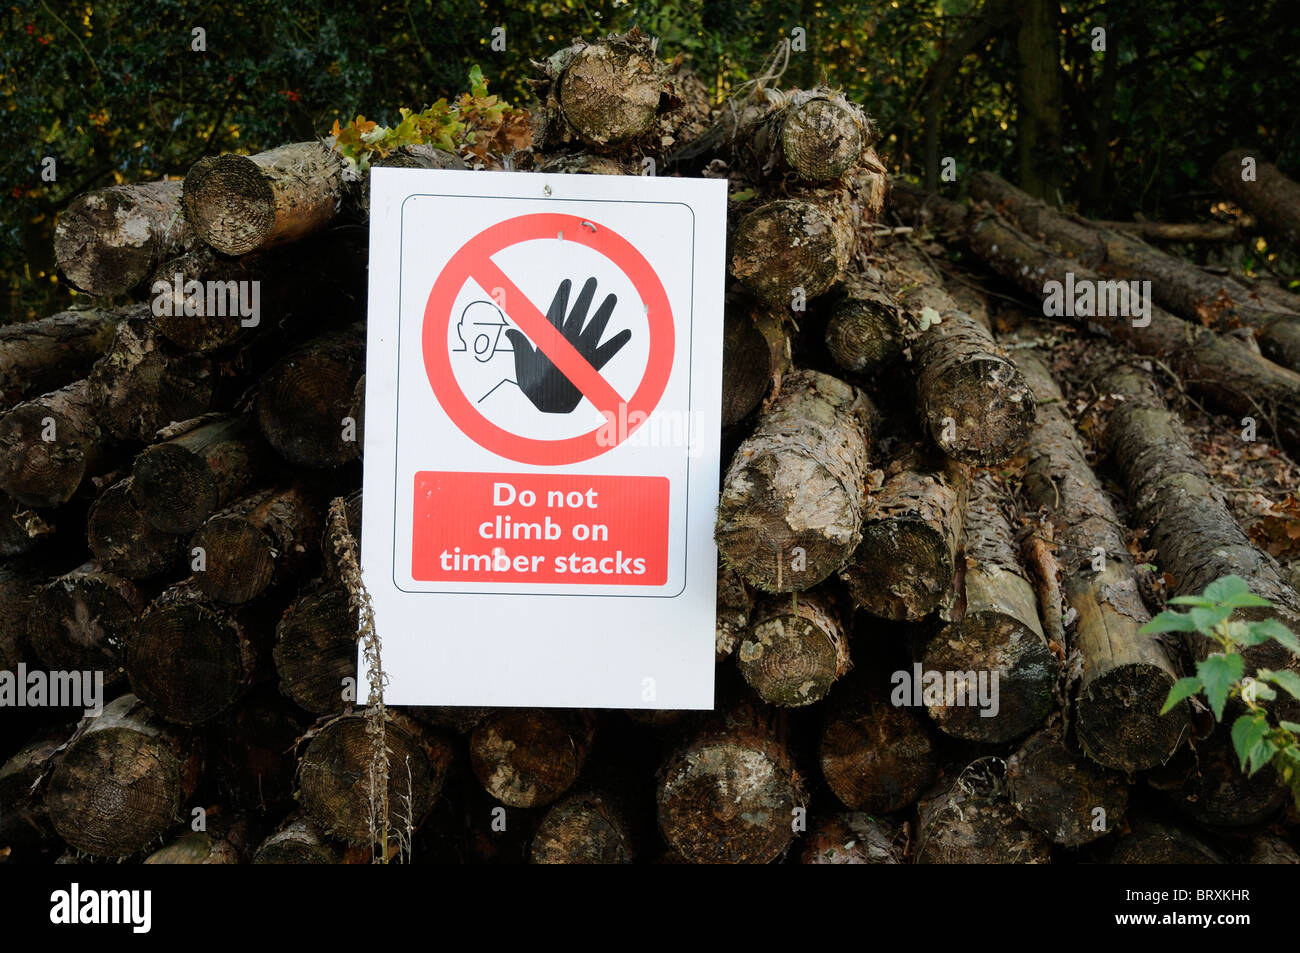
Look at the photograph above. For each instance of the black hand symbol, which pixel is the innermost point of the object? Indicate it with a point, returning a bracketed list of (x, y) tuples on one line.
[(540, 380)]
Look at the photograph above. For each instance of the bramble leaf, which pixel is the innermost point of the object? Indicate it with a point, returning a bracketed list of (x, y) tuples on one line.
[(1183, 688), (1247, 732), (1217, 673), (1169, 622)]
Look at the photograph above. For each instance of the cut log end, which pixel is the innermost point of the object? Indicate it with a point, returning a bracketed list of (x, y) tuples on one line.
[(1118, 720), (863, 337), (877, 758), (1063, 796), (707, 818), (794, 652), (822, 139), (119, 785), (335, 764), (188, 662), (107, 242), (528, 757), (986, 413), (177, 488), (991, 645), (230, 202), (584, 829), (610, 92), (124, 541), (787, 247), (901, 570)]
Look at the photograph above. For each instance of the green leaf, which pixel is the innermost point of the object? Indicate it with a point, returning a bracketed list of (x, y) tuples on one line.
[(1192, 601), (1207, 619), (1257, 690), (1284, 679), (1290, 726), (1217, 673), (1261, 755), (1169, 622), (1247, 599), (1247, 732), (1183, 688), (1229, 587), (1275, 630)]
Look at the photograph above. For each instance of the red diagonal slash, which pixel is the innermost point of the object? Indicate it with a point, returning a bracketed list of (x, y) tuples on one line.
[(549, 340)]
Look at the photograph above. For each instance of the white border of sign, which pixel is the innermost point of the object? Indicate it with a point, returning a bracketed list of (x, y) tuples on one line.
[(603, 647)]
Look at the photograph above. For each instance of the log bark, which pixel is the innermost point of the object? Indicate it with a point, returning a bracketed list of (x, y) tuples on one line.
[(999, 636), (25, 822), (969, 820), (1059, 793), (122, 780), (1179, 232), (316, 648), (82, 620), (303, 399), (791, 506), (584, 828), (1191, 524), (334, 768), (1270, 849), (864, 334), (1274, 198), (853, 838), (144, 383), (49, 445), (755, 355), (876, 756), (19, 585), (528, 757), (21, 529), (252, 762), (1126, 675), (1179, 285), (108, 241), (1151, 842), (123, 541), (974, 402), (225, 842), (42, 355), (1205, 783), (298, 841), (256, 542), (795, 649), (407, 157), (239, 204), (1216, 367), (189, 661), (586, 163), (905, 566), (705, 816), (734, 606), (179, 483)]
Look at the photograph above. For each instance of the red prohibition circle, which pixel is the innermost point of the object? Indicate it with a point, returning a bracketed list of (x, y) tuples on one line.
[(474, 259)]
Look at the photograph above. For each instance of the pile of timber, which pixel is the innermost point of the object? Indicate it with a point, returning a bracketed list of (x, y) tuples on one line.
[(919, 659)]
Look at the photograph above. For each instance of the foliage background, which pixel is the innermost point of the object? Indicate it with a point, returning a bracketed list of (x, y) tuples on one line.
[(113, 90)]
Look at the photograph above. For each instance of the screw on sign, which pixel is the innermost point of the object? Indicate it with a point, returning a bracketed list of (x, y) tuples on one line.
[(558, 356)]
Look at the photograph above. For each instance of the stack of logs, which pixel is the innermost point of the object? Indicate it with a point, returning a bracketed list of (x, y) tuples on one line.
[(906, 497)]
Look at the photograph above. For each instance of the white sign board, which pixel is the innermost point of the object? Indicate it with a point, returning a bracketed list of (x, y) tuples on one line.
[(543, 383)]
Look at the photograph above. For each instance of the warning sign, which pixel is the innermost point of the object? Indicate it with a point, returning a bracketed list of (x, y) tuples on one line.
[(541, 463)]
